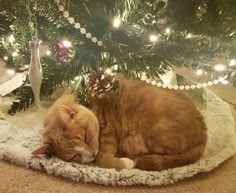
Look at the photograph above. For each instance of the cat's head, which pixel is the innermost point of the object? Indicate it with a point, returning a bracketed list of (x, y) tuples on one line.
[(73, 136)]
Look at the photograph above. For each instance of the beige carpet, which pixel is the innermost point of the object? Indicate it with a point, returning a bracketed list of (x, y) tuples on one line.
[(14, 179)]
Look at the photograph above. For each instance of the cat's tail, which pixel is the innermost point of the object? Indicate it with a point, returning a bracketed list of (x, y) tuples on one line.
[(157, 162)]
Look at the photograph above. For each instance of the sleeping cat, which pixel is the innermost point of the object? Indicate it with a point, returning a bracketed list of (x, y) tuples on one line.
[(139, 126), (70, 131)]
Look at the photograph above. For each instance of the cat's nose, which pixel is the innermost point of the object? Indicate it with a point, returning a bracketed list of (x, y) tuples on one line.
[(93, 154)]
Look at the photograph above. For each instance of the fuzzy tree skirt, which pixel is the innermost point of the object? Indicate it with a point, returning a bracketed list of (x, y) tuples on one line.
[(21, 134)]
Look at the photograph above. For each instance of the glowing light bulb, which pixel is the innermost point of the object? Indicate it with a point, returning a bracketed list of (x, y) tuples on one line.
[(108, 71), (189, 36), (153, 38), (225, 82), (10, 72), (199, 72), (48, 52), (115, 67), (11, 39), (219, 67), (14, 54), (143, 78), (221, 79), (116, 22), (5, 58), (66, 43), (168, 30), (232, 62)]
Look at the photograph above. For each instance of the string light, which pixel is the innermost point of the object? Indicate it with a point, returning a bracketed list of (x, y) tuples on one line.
[(76, 78), (189, 36), (66, 43), (115, 67), (11, 39), (10, 72), (48, 52), (168, 31), (153, 38), (232, 62), (225, 82), (5, 58), (108, 71), (14, 54), (219, 67), (199, 72), (221, 79), (116, 22)]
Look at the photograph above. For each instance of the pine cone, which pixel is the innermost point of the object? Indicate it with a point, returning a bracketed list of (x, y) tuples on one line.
[(100, 83)]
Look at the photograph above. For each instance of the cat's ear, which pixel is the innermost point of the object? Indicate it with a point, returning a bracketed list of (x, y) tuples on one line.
[(45, 149), (65, 113)]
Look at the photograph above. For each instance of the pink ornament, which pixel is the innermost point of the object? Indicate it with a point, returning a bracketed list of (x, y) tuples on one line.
[(59, 47)]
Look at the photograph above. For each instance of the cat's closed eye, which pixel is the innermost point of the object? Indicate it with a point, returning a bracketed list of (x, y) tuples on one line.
[(76, 158)]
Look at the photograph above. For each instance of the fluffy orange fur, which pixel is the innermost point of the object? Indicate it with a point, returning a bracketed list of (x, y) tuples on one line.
[(140, 126), (70, 131)]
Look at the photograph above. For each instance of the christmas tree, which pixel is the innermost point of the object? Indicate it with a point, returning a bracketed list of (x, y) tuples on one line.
[(141, 39)]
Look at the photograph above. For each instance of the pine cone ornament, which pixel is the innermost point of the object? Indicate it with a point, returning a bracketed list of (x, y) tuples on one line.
[(100, 83)]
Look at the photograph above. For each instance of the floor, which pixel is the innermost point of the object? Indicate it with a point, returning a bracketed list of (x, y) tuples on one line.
[(15, 179)]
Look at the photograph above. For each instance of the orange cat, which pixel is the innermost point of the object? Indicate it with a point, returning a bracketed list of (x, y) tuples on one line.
[(141, 126), (70, 131)]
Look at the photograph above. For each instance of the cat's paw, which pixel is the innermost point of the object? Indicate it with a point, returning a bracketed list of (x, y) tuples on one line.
[(129, 164)]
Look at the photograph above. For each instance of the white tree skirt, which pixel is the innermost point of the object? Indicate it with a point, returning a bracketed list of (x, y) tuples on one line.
[(18, 141)]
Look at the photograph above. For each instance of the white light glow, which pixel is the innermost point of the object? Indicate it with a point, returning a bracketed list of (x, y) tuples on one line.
[(76, 78), (108, 71), (115, 67), (14, 54), (5, 58), (11, 39), (189, 36), (116, 22), (48, 52), (199, 72), (66, 43), (168, 30), (143, 78), (10, 72), (26, 66), (232, 62), (219, 67), (221, 79), (153, 38), (225, 82)]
